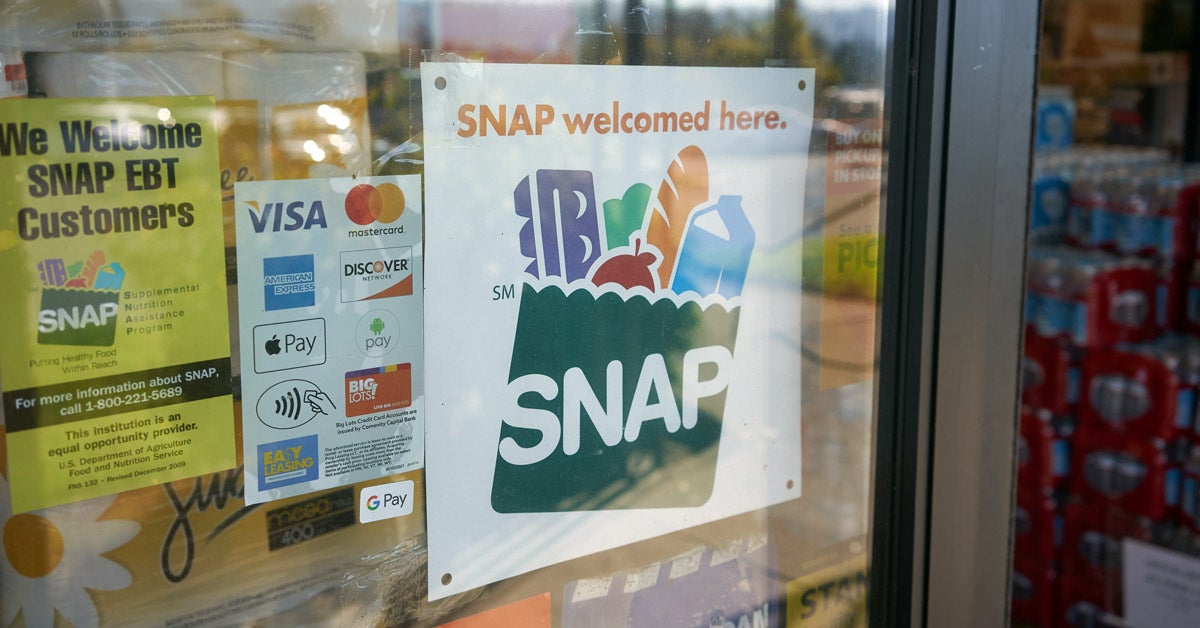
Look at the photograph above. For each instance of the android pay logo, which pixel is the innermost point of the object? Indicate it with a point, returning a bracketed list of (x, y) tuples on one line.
[(377, 333), (617, 382)]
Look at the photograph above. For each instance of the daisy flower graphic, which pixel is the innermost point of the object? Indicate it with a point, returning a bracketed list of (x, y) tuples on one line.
[(51, 556)]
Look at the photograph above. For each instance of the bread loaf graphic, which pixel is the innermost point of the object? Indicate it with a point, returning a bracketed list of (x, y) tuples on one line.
[(684, 188)]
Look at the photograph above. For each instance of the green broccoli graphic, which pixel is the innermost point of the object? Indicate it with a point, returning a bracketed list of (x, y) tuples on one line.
[(377, 326)]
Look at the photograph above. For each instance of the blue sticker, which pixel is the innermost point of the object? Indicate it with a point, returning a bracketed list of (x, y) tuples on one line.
[(1171, 487), (287, 462), (288, 282), (1183, 409)]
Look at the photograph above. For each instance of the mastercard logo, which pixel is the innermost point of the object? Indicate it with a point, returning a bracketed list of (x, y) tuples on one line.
[(366, 203)]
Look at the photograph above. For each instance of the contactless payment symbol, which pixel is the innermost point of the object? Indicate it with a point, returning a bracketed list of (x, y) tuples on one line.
[(292, 403), (366, 203), (377, 333)]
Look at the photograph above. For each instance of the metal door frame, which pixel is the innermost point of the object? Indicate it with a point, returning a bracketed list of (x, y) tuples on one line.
[(960, 143)]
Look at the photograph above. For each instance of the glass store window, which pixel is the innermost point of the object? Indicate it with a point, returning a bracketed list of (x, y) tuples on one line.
[(463, 313), (1105, 516)]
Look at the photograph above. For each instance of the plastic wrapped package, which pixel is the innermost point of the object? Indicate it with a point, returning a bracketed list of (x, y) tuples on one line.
[(12, 74), (730, 584), (126, 74), (312, 111), (223, 25), (192, 553)]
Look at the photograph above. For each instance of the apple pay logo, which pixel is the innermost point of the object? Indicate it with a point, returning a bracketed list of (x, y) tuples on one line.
[(290, 345), (385, 501)]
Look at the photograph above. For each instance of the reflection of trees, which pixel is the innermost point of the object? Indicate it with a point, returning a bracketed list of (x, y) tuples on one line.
[(700, 37)]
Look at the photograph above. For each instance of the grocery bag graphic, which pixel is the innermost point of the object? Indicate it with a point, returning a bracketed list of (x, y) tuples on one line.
[(624, 342), (79, 301)]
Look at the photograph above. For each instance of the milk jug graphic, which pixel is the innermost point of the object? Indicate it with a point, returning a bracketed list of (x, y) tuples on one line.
[(715, 251)]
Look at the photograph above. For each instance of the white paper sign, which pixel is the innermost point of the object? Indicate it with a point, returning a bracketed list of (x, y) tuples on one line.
[(607, 342), (329, 299), (1161, 587)]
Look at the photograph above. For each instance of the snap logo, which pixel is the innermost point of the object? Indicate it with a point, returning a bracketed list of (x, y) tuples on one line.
[(386, 501), (640, 301), (80, 301)]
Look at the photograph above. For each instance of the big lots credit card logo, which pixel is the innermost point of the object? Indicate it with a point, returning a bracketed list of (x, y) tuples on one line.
[(619, 379), (378, 389)]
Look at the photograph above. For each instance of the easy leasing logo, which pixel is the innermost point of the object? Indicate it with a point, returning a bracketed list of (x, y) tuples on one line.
[(287, 462), (623, 371), (80, 301)]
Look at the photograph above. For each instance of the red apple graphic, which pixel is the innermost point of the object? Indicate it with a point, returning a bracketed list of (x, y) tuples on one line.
[(628, 270)]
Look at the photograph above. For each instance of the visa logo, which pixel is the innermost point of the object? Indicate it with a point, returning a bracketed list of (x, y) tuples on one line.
[(292, 216)]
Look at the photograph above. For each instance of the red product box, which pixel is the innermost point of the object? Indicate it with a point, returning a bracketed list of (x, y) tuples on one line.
[(1189, 501), (1180, 214), (1136, 392), (1085, 602), (1044, 449), (1092, 534), (1033, 592), (1036, 524), (1139, 476), (1191, 307), (1050, 378), (1120, 307), (1094, 303), (1174, 281)]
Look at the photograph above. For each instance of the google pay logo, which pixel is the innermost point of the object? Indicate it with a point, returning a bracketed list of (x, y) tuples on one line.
[(385, 501)]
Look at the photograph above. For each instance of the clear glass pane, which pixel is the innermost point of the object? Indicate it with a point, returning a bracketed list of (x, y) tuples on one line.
[(1105, 486), (518, 313)]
